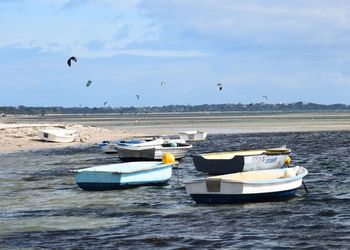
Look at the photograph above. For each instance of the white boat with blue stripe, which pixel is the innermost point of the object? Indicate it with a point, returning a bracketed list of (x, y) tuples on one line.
[(123, 175), (251, 186)]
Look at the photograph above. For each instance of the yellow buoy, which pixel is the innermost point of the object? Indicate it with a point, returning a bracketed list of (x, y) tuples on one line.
[(288, 161), (168, 158)]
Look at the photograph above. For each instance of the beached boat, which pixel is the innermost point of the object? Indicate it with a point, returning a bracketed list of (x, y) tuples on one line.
[(122, 175), (252, 186), (149, 153), (239, 161), (193, 135), (58, 135)]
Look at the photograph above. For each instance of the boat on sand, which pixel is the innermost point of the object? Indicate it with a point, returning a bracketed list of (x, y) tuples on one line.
[(58, 135)]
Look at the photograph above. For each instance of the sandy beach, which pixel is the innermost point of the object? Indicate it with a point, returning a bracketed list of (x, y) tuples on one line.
[(21, 132), (24, 136)]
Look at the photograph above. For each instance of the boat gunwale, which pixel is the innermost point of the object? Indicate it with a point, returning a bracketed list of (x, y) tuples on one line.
[(252, 182), (234, 154), (146, 147), (153, 167)]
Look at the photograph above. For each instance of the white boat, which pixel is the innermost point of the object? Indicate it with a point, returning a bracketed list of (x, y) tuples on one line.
[(112, 146), (58, 135), (252, 186), (123, 175), (150, 153), (240, 161), (193, 135)]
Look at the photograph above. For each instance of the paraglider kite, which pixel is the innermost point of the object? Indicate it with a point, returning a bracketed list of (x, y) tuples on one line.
[(162, 83), (220, 86), (69, 62), (138, 97), (105, 103), (88, 83)]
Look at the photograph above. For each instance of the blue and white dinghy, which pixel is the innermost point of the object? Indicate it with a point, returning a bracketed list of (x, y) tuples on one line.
[(251, 186), (122, 175)]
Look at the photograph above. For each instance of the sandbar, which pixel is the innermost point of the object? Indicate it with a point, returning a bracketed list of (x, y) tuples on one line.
[(19, 133)]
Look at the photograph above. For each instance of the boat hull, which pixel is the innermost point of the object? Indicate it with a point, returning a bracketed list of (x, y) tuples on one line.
[(243, 198), (99, 181), (52, 136), (98, 186), (239, 163)]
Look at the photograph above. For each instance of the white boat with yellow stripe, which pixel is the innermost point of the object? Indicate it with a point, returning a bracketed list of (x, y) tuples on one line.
[(239, 161), (253, 186)]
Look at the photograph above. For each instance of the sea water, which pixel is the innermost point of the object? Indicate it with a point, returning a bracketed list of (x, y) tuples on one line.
[(42, 207)]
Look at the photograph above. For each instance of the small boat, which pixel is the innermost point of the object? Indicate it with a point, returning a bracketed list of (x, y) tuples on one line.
[(252, 186), (239, 161), (150, 153), (58, 135), (193, 135), (112, 146), (123, 175)]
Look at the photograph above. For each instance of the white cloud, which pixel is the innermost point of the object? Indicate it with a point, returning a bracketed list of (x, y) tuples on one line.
[(259, 22), (88, 28), (168, 28)]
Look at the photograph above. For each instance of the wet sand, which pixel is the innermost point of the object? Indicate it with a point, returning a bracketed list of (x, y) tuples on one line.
[(20, 132)]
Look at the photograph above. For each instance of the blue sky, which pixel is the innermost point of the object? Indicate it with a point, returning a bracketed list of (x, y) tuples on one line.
[(287, 50)]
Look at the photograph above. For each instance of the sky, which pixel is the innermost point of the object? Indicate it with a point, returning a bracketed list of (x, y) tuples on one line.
[(289, 51)]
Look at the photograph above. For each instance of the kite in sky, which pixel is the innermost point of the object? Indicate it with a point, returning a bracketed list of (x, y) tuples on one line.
[(220, 86), (69, 62)]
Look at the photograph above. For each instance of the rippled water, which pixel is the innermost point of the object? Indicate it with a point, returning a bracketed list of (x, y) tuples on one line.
[(41, 206)]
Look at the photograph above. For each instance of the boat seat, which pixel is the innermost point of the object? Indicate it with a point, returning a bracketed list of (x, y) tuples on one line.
[(261, 175), (252, 176)]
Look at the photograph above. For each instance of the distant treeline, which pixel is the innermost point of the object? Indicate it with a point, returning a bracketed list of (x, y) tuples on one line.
[(296, 106)]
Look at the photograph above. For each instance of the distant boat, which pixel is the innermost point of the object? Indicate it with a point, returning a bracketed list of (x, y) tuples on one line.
[(239, 161), (149, 153), (58, 135), (252, 186), (123, 175), (193, 135), (112, 146)]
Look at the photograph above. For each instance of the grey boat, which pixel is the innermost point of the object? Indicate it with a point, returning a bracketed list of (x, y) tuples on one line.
[(150, 153)]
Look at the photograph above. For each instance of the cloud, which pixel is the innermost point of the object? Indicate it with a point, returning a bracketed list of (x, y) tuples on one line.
[(191, 28), (88, 28), (261, 23)]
